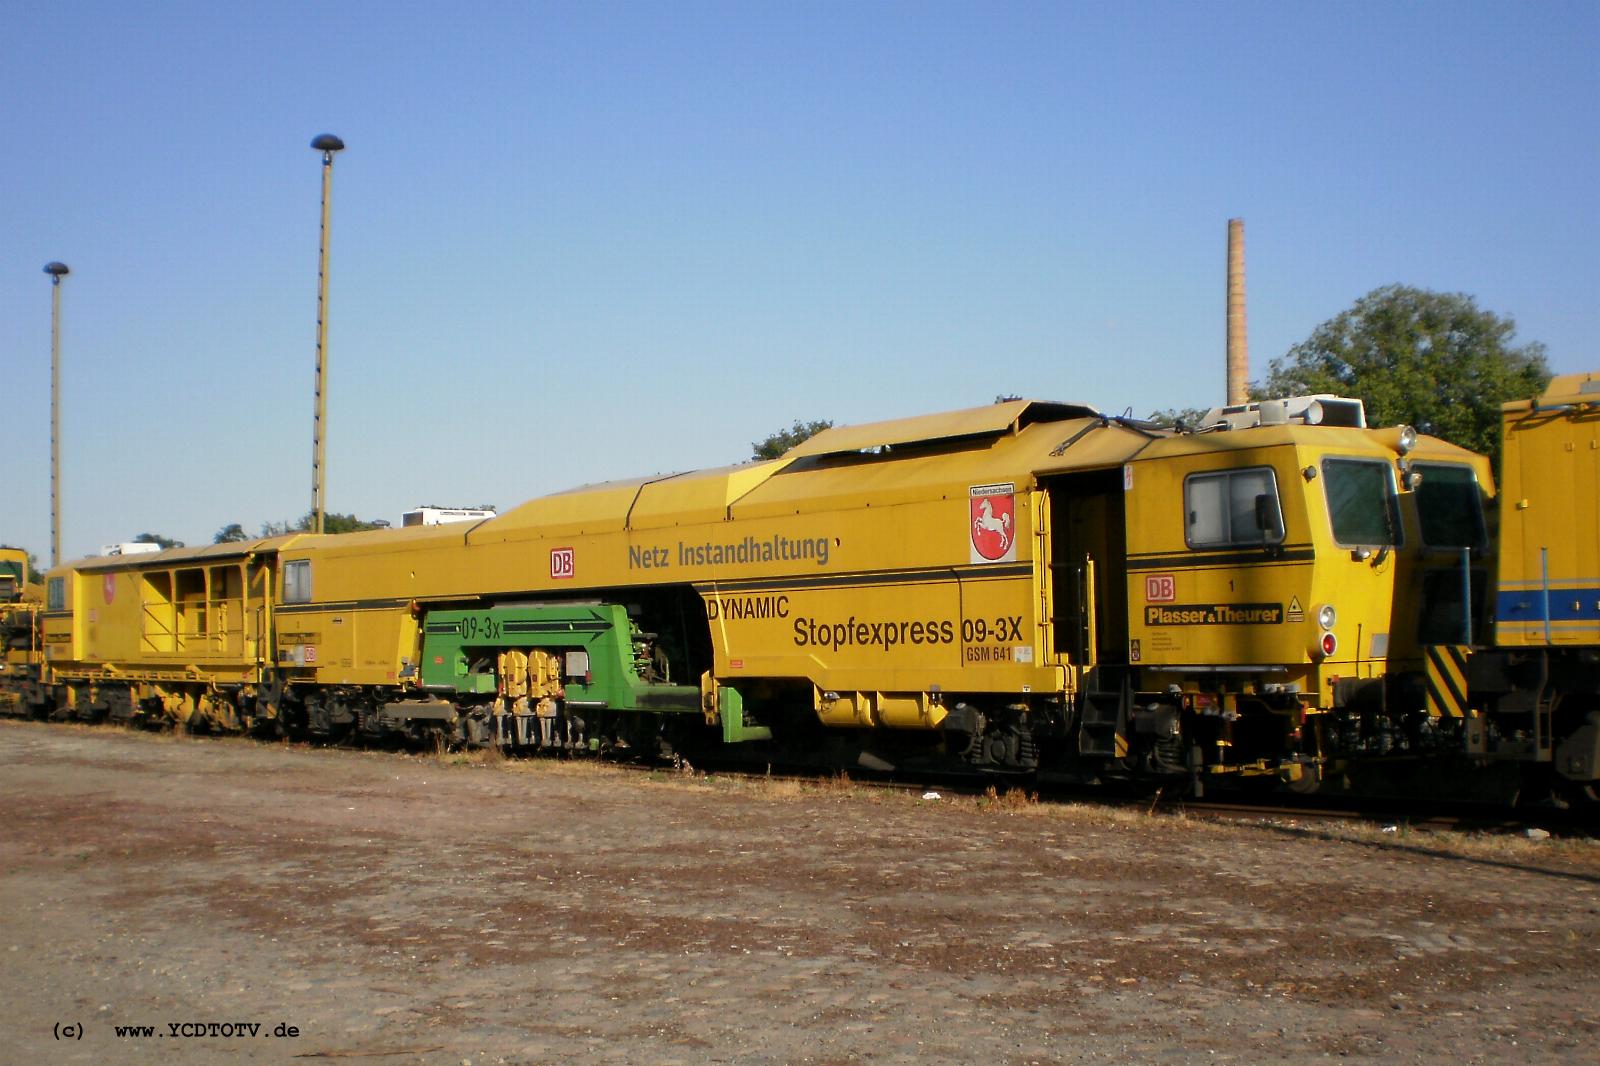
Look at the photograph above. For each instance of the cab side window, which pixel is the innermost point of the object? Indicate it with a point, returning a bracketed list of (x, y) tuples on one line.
[(1232, 508), (55, 594), (297, 581)]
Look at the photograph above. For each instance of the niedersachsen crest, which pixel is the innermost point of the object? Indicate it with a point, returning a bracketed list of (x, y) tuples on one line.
[(992, 523)]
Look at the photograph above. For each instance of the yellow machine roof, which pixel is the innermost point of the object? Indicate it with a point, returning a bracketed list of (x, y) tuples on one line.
[(1566, 389), (989, 420), (835, 462), (1006, 441), (202, 554), (636, 503)]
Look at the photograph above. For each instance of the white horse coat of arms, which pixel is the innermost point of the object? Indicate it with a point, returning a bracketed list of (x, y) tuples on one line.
[(992, 523)]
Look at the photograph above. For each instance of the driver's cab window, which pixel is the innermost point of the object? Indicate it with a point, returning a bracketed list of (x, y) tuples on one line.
[(1362, 505), (1232, 508)]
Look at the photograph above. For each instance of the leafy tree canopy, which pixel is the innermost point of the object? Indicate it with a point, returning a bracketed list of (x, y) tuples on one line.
[(232, 533), (157, 538), (1178, 417), (1431, 360), (332, 522), (785, 439)]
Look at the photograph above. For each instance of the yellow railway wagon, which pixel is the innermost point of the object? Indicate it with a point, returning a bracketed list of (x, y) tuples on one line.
[(1549, 574), (1529, 691), (181, 633)]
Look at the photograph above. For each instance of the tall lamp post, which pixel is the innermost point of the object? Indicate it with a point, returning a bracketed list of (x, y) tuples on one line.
[(327, 144), (57, 271)]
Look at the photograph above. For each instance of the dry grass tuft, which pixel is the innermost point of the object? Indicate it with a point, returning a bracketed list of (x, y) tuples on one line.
[(780, 788), (491, 756), (1500, 847), (550, 765), (1011, 801)]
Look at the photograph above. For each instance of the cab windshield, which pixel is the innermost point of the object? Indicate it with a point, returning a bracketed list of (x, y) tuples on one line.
[(1449, 506), (1362, 503)]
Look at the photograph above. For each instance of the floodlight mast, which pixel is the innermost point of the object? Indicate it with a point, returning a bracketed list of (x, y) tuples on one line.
[(57, 271), (327, 144)]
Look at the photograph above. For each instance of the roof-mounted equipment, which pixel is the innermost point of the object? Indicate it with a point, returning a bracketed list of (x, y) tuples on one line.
[(1321, 409)]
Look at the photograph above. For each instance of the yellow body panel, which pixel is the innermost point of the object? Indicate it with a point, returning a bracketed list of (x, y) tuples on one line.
[(853, 572), (800, 556), (1549, 577)]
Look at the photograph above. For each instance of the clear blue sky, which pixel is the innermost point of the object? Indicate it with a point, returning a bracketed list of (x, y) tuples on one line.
[(582, 241)]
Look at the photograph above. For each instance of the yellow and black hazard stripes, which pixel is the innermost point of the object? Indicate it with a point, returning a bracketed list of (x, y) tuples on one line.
[(1447, 680)]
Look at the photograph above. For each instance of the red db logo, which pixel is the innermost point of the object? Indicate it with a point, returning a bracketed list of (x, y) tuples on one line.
[(562, 563), (1160, 588)]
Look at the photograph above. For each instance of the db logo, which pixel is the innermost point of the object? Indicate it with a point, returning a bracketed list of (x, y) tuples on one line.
[(1160, 588), (562, 563)]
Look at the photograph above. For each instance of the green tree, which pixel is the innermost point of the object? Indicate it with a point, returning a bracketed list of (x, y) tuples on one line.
[(232, 533), (332, 522), (157, 538), (1178, 417), (784, 439), (1431, 360)]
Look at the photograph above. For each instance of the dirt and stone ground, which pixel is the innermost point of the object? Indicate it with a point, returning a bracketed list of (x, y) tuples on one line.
[(438, 909)]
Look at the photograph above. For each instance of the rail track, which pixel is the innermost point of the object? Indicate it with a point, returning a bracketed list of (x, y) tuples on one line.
[(1388, 813)]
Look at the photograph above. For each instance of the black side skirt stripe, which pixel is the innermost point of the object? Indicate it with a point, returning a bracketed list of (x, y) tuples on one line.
[(1256, 557)]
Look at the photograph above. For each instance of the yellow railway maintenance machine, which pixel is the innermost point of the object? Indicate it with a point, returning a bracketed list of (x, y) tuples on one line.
[(20, 600), (1020, 585)]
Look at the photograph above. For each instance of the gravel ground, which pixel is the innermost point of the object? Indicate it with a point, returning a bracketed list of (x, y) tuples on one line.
[(424, 909)]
